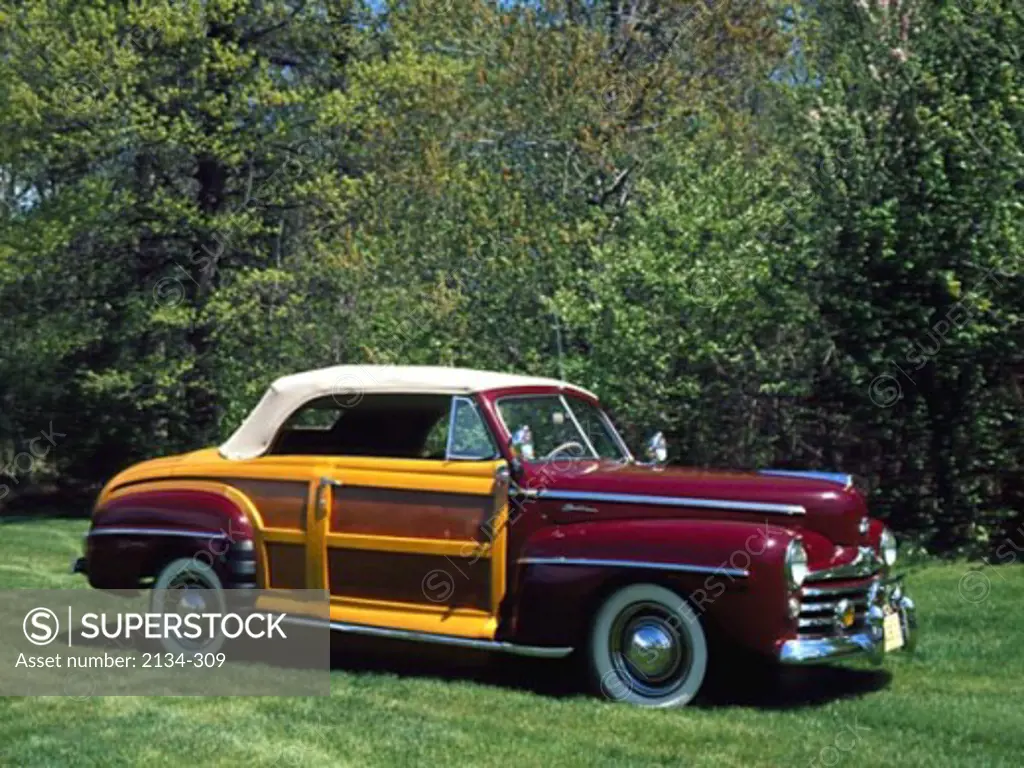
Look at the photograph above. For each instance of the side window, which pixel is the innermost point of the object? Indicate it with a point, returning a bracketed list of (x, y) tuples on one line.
[(387, 425), (436, 444), (468, 436), (319, 415)]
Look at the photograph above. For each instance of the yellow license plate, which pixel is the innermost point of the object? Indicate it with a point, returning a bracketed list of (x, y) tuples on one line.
[(893, 632)]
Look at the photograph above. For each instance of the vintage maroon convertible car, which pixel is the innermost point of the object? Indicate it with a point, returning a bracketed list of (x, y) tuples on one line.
[(505, 513)]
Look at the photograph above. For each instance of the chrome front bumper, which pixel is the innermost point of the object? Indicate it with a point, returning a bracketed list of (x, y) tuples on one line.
[(870, 641)]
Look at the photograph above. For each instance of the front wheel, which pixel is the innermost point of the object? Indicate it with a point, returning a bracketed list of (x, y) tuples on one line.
[(647, 648)]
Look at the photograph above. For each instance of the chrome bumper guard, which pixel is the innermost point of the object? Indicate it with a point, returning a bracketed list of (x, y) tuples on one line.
[(891, 598)]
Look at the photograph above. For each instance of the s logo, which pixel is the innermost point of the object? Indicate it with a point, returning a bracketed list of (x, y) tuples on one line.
[(40, 626)]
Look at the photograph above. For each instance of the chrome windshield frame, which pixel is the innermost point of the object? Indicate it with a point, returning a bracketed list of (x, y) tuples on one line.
[(625, 458)]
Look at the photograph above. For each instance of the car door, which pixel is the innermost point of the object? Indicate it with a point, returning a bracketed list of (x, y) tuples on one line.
[(416, 544)]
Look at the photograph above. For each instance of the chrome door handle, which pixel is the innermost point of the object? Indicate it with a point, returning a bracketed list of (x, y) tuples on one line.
[(579, 508), (321, 500)]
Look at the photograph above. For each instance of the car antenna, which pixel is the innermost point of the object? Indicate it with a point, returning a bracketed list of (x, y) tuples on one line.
[(558, 346)]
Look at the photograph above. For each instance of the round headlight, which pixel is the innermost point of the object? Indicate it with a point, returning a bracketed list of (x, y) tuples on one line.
[(796, 563), (887, 546)]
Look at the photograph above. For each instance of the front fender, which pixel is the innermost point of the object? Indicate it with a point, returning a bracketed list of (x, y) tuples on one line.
[(730, 572)]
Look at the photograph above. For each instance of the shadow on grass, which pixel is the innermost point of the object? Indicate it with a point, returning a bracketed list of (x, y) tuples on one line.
[(771, 686), (743, 684)]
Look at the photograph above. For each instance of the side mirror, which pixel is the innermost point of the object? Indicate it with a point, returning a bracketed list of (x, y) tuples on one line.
[(657, 448), (521, 444)]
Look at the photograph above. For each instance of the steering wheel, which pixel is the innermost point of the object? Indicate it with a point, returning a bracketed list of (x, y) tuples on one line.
[(564, 447)]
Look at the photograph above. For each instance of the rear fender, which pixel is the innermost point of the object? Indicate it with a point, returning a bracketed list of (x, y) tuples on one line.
[(730, 572), (138, 529)]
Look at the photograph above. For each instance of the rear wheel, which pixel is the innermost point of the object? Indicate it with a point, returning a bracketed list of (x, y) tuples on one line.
[(188, 587), (647, 648)]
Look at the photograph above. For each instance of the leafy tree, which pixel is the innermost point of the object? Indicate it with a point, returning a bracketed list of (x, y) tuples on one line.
[(915, 144), (155, 156), (787, 234)]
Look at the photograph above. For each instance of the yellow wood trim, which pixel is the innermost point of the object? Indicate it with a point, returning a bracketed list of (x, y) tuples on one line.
[(474, 477), (284, 536), (310, 603), (470, 486), (376, 613), (415, 617), (313, 537), (211, 471), (443, 547), (499, 553), (397, 605), (430, 467), (384, 463)]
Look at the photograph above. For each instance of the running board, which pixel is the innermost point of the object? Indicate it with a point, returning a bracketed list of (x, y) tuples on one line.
[(535, 651)]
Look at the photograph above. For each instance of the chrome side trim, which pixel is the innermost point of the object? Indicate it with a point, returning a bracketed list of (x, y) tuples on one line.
[(154, 532), (674, 501), (598, 563), (428, 637), (839, 478)]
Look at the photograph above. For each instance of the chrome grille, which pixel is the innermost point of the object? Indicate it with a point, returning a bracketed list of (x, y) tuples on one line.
[(818, 604)]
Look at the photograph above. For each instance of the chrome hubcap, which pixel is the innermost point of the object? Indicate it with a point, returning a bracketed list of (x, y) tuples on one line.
[(191, 602), (188, 593), (648, 648)]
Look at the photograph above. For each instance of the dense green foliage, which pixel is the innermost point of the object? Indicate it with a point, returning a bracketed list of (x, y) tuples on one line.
[(786, 234)]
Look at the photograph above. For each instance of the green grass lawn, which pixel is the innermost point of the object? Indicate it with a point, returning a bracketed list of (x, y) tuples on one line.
[(960, 700)]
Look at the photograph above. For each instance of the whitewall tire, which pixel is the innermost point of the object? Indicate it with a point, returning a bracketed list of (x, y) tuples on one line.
[(647, 648), (185, 586)]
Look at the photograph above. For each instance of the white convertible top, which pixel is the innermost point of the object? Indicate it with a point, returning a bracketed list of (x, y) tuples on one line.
[(348, 382)]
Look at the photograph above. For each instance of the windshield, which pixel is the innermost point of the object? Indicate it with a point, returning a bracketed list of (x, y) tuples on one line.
[(563, 427)]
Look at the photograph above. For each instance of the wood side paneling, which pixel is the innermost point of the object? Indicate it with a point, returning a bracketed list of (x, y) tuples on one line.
[(407, 578), (282, 503), (286, 565), (414, 514)]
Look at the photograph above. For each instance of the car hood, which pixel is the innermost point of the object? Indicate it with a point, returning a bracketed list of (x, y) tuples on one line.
[(610, 490)]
